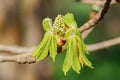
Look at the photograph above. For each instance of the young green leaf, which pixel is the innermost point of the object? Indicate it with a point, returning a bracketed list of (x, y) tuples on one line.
[(84, 47), (75, 63), (68, 58), (47, 24), (82, 42), (37, 52), (44, 53), (83, 59), (53, 47), (69, 32), (69, 20)]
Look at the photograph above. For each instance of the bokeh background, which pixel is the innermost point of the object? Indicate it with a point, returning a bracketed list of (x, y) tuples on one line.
[(20, 24)]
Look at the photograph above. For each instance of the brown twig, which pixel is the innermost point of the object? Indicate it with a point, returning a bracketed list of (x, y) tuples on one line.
[(27, 58), (104, 44), (99, 16), (98, 2), (95, 9), (19, 58), (87, 32), (15, 49)]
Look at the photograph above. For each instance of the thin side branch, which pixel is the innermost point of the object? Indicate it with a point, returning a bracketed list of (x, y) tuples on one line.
[(99, 16), (104, 44), (98, 2), (87, 32)]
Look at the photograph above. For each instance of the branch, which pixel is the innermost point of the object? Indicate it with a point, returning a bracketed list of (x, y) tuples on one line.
[(97, 2), (27, 58), (19, 58), (87, 32), (99, 16), (16, 49), (104, 44)]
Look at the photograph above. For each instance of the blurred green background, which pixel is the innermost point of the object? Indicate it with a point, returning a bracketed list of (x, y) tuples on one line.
[(20, 24)]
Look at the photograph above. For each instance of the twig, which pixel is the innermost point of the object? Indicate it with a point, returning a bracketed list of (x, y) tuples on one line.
[(87, 32), (98, 2), (99, 16), (95, 9), (104, 44), (27, 58), (16, 49), (19, 58)]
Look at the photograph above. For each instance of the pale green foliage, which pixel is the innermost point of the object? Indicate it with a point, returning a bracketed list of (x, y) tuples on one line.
[(48, 43), (68, 58), (47, 24), (78, 48), (64, 27), (75, 63), (53, 47)]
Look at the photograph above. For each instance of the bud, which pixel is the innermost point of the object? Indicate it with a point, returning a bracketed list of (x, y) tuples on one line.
[(59, 26)]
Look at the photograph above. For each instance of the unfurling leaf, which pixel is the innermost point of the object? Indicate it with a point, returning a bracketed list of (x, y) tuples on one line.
[(83, 59), (78, 46), (75, 64), (47, 24), (37, 52), (48, 44), (53, 47), (63, 34), (69, 20), (44, 53), (68, 58), (42, 50)]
